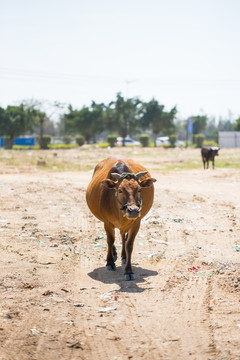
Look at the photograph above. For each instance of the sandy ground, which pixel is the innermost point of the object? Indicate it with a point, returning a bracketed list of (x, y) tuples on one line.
[(58, 301)]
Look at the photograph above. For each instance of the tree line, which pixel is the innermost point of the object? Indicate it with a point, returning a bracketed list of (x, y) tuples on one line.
[(122, 116)]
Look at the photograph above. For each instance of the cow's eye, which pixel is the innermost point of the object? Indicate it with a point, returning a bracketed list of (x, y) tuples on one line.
[(120, 191)]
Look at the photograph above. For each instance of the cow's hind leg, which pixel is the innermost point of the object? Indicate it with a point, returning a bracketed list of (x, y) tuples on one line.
[(112, 252)]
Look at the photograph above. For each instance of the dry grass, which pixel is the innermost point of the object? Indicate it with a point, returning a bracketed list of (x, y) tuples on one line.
[(85, 158)]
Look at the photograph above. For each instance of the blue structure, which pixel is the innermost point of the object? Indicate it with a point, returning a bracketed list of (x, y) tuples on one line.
[(25, 141), (190, 125), (21, 141)]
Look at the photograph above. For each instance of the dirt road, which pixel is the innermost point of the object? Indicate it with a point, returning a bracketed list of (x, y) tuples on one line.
[(58, 301)]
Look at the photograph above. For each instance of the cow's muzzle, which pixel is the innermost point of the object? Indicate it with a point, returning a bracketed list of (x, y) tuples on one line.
[(132, 211)]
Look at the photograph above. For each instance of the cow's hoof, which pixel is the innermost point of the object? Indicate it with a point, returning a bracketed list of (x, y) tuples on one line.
[(111, 267), (129, 277), (123, 261)]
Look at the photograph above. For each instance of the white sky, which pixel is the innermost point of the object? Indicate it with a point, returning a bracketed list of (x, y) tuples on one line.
[(181, 52)]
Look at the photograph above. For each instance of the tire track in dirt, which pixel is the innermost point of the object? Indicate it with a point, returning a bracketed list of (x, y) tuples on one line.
[(208, 299), (192, 315)]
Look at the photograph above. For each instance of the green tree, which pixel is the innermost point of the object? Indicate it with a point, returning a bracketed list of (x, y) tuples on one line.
[(199, 124), (236, 126), (122, 116), (157, 120), (38, 119), (14, 121), (211, 132), (42, 115), (2, 114), (87, 121), (224, 125)]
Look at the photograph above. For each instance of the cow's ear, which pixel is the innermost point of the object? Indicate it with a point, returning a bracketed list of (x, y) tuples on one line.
[(147, 182), (110, 184)]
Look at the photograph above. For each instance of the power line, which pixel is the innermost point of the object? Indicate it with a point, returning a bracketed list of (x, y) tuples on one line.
[(28, 74), (12, 74)]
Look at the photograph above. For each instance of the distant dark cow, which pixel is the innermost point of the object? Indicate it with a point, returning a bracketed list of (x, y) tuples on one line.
[(208, 154), (120, 194)]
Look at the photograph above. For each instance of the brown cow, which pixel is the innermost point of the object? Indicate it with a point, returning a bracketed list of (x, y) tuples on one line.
[(120, 194)]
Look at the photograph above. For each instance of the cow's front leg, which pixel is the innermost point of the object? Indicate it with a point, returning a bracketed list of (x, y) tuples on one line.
[(129, 275), (112, 253), (123, 254)]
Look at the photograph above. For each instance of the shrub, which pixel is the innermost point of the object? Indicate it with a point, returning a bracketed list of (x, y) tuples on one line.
[(172, 140), (210, 143), (44, 141), (144, 140), (80, 140), (112, 139), (67, 139), (198, 140)]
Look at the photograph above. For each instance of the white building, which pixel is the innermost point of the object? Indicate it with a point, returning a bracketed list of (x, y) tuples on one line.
[(229, 139)]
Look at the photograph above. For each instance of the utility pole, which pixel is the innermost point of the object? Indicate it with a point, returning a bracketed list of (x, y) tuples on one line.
[(128, 82), (189, 128)]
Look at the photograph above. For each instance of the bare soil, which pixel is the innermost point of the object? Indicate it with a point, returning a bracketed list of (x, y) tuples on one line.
[(57, 299)]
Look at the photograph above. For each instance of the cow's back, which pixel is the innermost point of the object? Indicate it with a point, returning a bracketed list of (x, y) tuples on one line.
[(101, 200), (205, 152)]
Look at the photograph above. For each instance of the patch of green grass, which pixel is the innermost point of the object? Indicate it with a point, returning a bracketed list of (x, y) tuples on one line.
[(62, 146), (86, 158), (234, 164), (139, 154), (23, 147), (103, 145)]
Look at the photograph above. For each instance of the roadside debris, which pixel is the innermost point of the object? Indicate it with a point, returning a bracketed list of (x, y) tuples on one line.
[(76, 345), (156, 220), (35, 332), (152, 255), (194, 268), (99, 238), (107, 309), (78, 305)]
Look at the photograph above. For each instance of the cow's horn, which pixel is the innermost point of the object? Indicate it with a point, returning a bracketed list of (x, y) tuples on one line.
[(115, 176), (140, 174)]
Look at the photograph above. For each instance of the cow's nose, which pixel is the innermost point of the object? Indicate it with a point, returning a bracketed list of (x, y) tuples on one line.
[(133, 211)]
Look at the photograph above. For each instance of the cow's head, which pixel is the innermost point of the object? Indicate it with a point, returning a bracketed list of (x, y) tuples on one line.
[(128, 191), (215, 150)]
